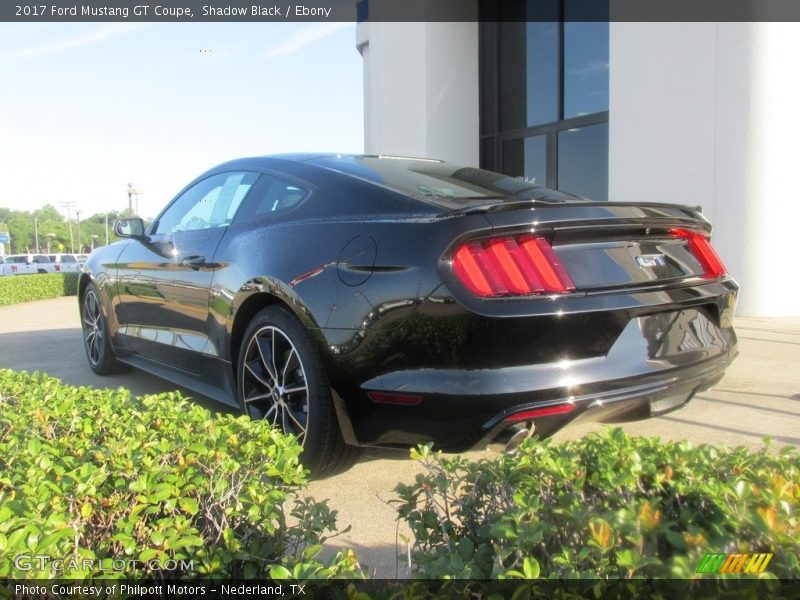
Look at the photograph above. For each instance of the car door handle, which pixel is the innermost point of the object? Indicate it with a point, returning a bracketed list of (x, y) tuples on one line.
[(194, 262)]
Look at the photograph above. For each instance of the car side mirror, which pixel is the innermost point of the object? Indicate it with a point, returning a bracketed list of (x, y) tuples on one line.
[(130, 228)]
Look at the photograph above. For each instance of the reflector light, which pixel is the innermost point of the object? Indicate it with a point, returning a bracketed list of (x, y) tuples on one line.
[(511, 266), (536, 413), (394, 398), (700, 246)]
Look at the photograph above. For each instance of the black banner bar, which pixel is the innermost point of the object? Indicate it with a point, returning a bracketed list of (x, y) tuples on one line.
[(381, 589), (397, 10)]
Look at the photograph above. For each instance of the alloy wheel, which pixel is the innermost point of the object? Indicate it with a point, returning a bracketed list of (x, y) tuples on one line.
[(273, 382), (93, 333)]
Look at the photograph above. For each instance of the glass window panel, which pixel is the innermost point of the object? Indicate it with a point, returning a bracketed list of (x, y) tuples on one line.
[(488, 154), (542, 73), (513, 76), (514, 157), (585, 68), (488, 77), (209, 203), (583, 161), (526, 157)]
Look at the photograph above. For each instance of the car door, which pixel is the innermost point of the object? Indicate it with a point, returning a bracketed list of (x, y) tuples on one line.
[(164, 281)]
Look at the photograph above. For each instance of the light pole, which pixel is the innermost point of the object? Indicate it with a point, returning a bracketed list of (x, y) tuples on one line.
[(69, 205), (132, 191), (36, 232), (80, 246)]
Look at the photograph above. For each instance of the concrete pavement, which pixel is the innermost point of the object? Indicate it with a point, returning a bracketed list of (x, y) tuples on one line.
[(759, 396)]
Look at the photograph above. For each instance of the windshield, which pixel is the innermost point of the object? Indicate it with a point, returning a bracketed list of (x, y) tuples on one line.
[(441, 183)]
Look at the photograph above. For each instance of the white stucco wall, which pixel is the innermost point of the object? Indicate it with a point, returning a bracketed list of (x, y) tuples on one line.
[(701, 113), (421, 89)]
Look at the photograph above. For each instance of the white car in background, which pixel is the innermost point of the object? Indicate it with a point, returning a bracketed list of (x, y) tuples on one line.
[(67, 263), (5, 269), (26, 264)]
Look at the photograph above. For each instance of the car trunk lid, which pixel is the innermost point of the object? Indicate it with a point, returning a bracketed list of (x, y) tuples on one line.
[(608, 246)]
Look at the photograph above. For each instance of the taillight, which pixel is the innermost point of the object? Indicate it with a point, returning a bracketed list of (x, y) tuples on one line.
[(537, 413), (702, 250), (398, 398), (511, 266)]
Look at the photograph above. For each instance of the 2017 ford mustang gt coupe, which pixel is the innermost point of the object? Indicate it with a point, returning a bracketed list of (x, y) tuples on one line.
[(384, 301)]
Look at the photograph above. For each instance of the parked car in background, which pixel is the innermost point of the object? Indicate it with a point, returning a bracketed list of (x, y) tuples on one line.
[(25, 264), (67, 263), (5, 269), (386, 301)]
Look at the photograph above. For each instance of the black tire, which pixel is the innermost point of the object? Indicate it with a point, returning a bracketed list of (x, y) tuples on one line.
[(281, 378), (96, 339)]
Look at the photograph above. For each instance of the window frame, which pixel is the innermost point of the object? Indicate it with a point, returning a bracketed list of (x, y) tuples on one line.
[(491, 132)]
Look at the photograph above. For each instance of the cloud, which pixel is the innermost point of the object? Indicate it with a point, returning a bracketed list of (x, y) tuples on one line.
[(305, 37), (88, 38)]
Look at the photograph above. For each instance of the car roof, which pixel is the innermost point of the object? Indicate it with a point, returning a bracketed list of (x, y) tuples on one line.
[(438, 185)]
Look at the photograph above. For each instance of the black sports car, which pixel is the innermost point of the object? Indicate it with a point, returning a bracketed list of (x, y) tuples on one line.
[(385, 301)]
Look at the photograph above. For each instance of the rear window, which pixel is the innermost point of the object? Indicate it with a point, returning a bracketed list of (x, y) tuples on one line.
[(440, 182)]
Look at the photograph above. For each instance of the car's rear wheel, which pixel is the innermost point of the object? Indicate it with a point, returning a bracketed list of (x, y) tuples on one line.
[(281, 378), (96, 339)]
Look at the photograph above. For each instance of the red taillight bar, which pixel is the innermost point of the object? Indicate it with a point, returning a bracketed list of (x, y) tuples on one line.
[(702, 250), (397, 398), (529, 415), (511, 266)]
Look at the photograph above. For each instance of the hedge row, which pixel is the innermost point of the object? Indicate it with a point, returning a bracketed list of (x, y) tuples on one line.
[(606, 506), (156, 481), (25, 288), (149, 487)]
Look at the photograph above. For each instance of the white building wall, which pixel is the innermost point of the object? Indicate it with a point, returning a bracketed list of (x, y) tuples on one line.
[(421, 89), (702, 114)]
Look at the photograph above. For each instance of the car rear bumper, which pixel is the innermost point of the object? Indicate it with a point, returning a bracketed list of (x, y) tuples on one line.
[(657, 363)]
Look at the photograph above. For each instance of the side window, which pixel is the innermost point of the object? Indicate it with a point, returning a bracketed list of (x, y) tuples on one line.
[(210, 203), (273, 198)]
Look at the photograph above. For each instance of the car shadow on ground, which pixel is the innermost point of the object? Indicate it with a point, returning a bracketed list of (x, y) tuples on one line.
[(60, 353)]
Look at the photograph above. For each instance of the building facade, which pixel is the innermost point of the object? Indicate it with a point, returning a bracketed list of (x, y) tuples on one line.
[(689, 113)]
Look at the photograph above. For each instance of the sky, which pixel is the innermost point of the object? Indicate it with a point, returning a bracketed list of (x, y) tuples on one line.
[(89, 108)]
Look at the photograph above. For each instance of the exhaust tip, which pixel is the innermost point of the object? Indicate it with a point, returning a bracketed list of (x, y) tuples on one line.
[(511, 437), (516, 439)]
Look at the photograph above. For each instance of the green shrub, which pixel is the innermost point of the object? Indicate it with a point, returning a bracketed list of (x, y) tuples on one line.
[(98, 475), (608, 506), (25, 288)]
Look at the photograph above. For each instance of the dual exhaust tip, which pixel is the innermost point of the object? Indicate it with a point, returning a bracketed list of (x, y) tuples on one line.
[(509, 439)]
